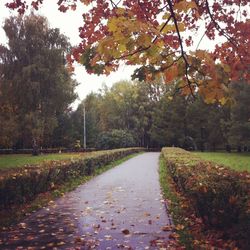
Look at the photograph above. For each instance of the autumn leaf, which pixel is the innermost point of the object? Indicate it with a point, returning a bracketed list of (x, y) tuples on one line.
[(61, 243), (86, 2), (185, 5), (167, 228), (171, 74), (179, 227), (233, 199), (125, 231), (22, 225)]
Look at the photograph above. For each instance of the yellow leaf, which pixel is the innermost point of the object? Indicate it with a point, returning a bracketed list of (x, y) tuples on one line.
[(181, 27), (185, 6), (223, 100), (144, 40), (179, 227), (226, 68), (122, 47), (120, 11), (112, 24), (167, 28), (166, 15)]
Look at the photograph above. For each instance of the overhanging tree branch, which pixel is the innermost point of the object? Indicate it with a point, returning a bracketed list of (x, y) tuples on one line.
[(181, 45), (217, 26)]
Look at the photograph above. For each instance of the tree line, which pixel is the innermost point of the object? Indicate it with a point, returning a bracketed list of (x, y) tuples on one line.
[(145, 114)]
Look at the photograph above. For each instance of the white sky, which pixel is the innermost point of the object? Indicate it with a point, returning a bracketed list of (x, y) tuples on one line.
[(68, 23)]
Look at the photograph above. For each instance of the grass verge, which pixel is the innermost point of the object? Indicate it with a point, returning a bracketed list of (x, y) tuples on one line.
[(17, 161), (17, 213), (236, 161), (174, 205)]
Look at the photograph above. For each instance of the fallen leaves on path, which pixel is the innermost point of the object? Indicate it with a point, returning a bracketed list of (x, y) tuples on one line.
[(125, 231), (167, 228)]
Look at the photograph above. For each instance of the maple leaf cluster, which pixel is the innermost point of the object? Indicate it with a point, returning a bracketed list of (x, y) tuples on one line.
[(157, 36)]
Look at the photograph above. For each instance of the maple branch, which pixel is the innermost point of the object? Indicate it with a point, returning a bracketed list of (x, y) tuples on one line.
[(181, 45), (217, 26), (170, 54), (113, 4), (162, 28), (208, 28), (184, 86), (170, 65), (200, 40), (140, 49), (162, 8)]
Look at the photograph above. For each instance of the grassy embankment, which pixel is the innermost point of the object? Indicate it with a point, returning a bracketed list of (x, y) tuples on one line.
[(17, 160)]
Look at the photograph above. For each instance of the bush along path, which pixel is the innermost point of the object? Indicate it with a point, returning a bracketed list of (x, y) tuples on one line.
[(121, 208), (213, 200)]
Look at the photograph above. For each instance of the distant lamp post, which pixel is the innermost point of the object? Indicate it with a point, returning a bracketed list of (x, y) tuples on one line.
[(202, 138), (84, 127)]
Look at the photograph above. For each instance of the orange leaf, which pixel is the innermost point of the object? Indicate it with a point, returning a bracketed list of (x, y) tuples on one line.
[(171, 74)]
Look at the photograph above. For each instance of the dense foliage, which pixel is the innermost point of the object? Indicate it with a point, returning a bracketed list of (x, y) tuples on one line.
[(216, 197), (160, 38), (35, 87), (155, 119), (115, 138)]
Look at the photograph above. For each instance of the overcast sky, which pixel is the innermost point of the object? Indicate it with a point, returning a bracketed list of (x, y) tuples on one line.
[(68, 23)]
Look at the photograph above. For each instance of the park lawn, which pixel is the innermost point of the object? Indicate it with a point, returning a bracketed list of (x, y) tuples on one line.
[(236, 161), (17, 160)]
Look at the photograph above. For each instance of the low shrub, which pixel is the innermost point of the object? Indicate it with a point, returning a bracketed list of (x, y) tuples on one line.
[(21, 185), (219, 196)]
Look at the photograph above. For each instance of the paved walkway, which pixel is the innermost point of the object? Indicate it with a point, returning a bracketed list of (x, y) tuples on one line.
[(120, 209)]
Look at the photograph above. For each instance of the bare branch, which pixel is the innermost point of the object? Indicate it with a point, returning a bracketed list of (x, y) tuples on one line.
[(113, 4)]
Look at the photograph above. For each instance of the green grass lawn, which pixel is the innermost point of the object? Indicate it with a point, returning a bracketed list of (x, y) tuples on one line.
[(16, 160), (237, 161)]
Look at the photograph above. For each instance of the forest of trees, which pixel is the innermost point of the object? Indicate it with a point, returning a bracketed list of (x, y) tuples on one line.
[(36, 91), (143, 114)]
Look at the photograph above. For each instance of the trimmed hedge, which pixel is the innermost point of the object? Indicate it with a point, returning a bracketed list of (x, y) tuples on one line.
[(24, 184), (219, 196), (45, 150)]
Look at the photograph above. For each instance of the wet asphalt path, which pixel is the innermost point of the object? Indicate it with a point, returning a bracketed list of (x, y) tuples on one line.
[(120, 209)]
